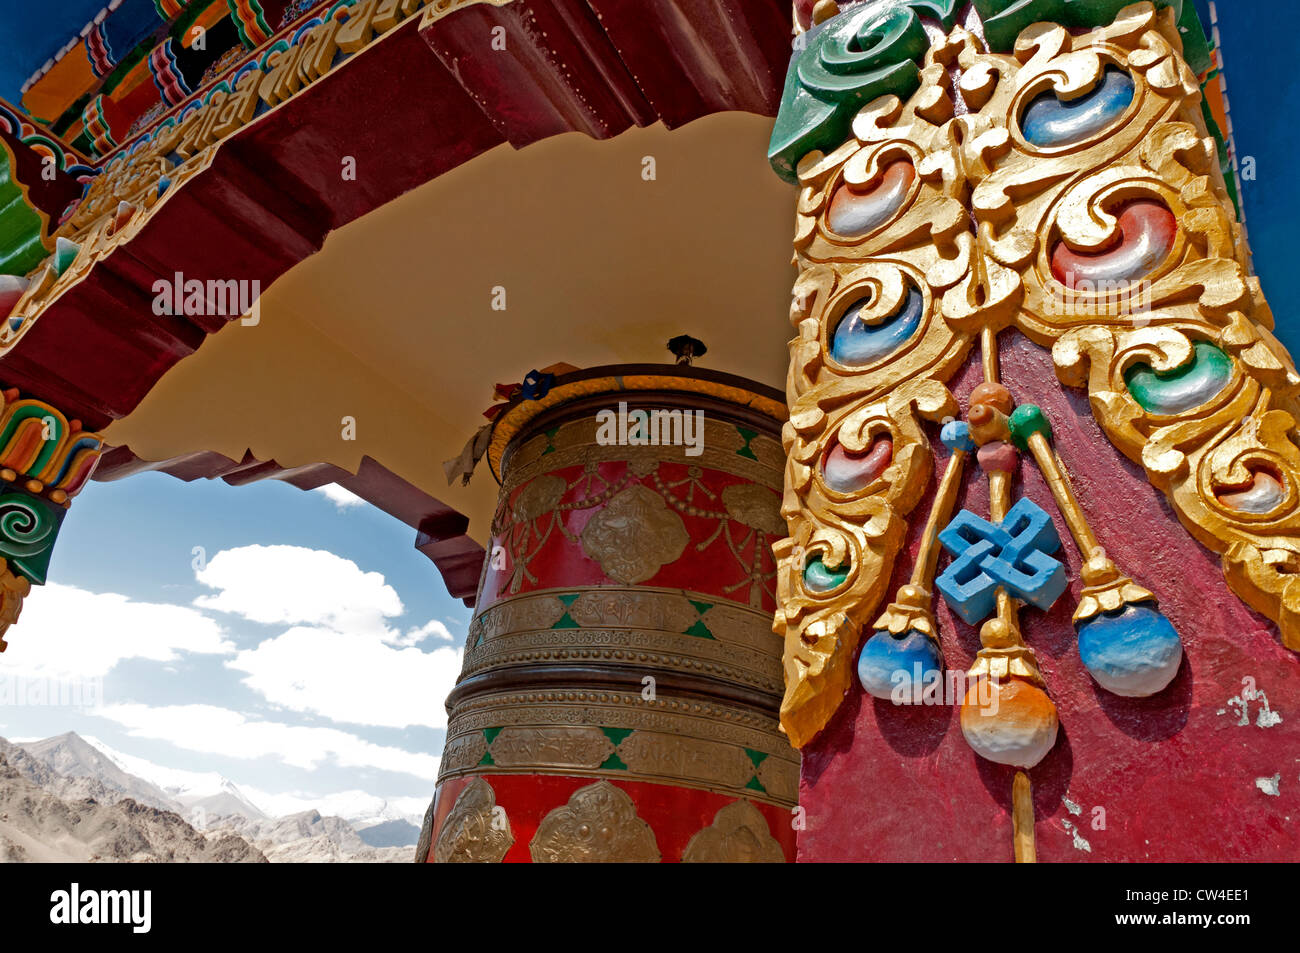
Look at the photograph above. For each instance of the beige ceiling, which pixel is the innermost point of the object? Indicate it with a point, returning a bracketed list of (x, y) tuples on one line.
[(392, 322)]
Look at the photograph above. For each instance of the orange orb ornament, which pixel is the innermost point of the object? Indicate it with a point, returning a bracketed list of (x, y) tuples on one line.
[(1010, 721)]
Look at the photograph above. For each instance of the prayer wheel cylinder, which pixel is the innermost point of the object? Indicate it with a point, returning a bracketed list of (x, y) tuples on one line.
[(621, 679)]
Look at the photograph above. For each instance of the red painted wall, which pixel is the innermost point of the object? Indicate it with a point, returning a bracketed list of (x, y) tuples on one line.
[(1175, 774)]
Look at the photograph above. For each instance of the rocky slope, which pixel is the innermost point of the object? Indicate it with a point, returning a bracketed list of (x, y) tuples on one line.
[(307, 837), (73, 757), (76, 802)]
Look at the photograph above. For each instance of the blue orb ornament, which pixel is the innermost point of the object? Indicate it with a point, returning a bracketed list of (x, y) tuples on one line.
[(956, 436), (1134, 651), (899, 668)]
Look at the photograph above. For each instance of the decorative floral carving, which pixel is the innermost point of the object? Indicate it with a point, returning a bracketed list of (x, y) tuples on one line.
[(599, 824), (634, 535), (476, 830), (739, 834)]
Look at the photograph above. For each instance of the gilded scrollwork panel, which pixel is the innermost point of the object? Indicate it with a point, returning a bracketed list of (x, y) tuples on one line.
[(1059, 179)]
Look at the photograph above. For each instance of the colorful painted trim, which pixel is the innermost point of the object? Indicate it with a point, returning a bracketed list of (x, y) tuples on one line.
[(99, 53), (97, 125), (166, 73), (22, 230), (250, 20)]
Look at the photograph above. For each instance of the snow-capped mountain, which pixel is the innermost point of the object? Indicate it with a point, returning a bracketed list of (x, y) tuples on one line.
[(72, 756)]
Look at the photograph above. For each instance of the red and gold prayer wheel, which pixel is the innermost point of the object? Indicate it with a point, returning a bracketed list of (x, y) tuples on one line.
[(621, 679)]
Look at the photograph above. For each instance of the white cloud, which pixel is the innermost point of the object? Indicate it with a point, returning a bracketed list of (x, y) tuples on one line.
[(221, 731), (67, 632), (343, 499), (433, 627), (296, 585), (350, 678)]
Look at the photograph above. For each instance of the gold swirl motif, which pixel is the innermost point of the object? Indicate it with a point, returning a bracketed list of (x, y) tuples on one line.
[(599, 824), (975, 235), (634, 535), (739, 834), (476, 830)]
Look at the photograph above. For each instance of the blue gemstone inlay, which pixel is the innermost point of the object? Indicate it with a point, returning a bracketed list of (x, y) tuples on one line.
[(890, 667), (856, 342), (1133, 652), (1047, 121)]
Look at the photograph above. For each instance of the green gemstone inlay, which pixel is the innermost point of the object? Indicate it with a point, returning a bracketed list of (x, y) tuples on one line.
[(566, 620), (757, 757), (1185, 387), (818, 577), (698, 628), (616, 735), (749, 435), (489, 734)]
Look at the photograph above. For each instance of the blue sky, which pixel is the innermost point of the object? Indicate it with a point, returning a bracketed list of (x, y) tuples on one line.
[(304, 674)]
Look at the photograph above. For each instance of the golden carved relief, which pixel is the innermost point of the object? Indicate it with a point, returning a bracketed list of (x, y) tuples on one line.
[(598, 825), (983, 234), (476, 830), (779, 776), (514, 615), (557, 747), (739, 834), (634, 535), (670, 756), (463, 752), (648, 628), (633, 608), (688, 742)]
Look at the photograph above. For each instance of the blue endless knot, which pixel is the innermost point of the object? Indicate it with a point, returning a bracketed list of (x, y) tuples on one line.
[(1011, 555)]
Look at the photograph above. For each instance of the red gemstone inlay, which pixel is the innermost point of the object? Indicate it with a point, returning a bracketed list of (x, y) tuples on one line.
[(856, 213), (1146, 233), (848, 472)]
